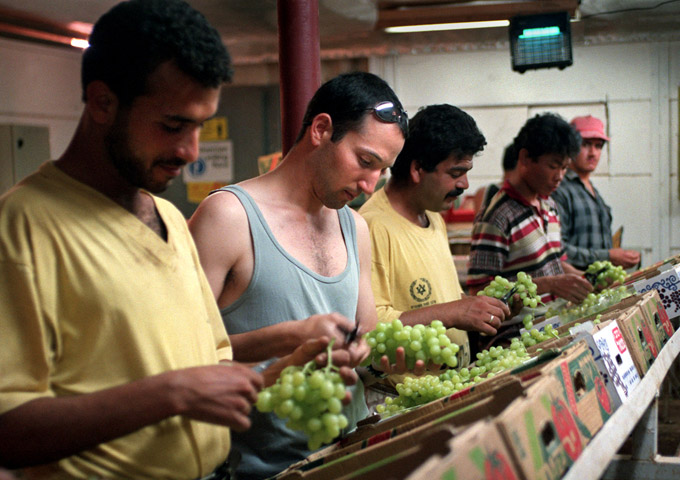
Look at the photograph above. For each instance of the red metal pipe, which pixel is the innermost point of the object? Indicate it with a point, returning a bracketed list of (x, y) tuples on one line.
[(299, 63)]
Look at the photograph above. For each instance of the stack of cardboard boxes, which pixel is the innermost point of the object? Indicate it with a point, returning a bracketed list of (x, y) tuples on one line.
[(531, 422)]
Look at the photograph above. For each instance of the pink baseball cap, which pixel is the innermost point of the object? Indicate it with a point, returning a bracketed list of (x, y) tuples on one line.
[(589, 127)]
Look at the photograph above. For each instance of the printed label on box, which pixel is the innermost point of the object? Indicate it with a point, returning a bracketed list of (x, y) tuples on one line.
[(618, 338)]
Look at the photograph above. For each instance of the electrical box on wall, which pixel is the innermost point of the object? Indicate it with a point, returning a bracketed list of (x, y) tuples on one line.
[(540, 41), (23, 149)]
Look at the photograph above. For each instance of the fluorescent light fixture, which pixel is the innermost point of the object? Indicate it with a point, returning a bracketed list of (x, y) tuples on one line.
[(79, 43), (540, 32), (540, 41), (436, 27)]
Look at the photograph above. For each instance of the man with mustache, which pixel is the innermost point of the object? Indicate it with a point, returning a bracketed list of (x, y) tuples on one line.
[(413, 275), (519, 231)]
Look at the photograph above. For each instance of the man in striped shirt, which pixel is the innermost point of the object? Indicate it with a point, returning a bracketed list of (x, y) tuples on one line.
[(520, 230)]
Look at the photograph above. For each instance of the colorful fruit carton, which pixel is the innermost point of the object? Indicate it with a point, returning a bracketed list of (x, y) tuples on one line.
[(613, 360), (653, 308), (478, 453), (580, 382), (667, 284), (640, 336), (541, 431)]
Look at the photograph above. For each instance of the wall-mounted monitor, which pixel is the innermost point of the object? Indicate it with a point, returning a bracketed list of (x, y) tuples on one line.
[(540, 41)]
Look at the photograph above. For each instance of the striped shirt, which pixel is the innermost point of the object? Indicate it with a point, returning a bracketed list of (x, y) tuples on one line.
[(511, 236), (586, 222)]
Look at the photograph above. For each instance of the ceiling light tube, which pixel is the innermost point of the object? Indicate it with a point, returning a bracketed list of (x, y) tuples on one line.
[(79, 43), (436, 27)]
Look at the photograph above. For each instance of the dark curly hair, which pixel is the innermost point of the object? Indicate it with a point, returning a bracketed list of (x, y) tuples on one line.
[(509, 158), (133, 38), (348, 98), (435, 133), (547, 133)]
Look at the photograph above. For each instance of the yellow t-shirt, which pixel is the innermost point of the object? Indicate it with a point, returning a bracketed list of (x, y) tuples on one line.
[(92, 298), (411, 266)]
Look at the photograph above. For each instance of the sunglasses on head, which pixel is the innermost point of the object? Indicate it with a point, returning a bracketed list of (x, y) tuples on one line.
[(390, 113)]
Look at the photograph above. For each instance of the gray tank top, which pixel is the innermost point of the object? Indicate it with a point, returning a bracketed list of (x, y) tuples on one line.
[(284, 289)]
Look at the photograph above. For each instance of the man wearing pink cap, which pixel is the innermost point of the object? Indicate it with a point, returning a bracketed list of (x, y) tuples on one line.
[(584, 216)]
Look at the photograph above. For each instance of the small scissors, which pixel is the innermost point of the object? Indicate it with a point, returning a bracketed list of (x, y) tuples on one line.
[(352, 334)]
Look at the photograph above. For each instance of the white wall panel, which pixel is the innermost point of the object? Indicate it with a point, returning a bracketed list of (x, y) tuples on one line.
[(675, 214), (499, 126), (41, 86), (43, 80), (486, 78), (631, 139), (631, 201)]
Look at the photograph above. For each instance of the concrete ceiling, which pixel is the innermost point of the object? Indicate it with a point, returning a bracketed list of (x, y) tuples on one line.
[(347, 27)]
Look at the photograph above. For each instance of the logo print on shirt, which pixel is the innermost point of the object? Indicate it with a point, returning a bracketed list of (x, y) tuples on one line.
[(420, 290)]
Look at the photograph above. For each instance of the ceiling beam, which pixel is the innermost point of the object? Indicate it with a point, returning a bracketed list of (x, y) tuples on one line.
[(20, 25), (392, 14)]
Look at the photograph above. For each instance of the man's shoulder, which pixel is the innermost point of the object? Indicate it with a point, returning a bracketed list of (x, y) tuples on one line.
[(376, 210), (569, 184), (34, 196), (503, 206), (218, 215)]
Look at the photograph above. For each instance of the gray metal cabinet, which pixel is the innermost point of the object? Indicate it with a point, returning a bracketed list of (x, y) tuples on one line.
[(23, 148)]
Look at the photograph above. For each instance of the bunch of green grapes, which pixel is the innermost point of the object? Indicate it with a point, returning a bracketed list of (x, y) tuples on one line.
[(310, 398), (415, 391), (533, 336), (420, 342), (606, 273), (592, 304), (525, 287), (496, 359)]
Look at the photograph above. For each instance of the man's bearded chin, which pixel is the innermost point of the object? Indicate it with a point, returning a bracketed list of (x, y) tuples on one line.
[(455, 193)]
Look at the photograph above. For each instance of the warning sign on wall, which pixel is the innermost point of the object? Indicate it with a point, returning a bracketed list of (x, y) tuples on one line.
[(214, 164)]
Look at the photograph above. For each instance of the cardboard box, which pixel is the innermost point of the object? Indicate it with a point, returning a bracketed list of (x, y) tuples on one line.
[(653, 270), (477, 453), (640, 337), (580, 383), (653, 308), (667, 284), (613, 360), (356, 456), (402, 464), (541, 432)]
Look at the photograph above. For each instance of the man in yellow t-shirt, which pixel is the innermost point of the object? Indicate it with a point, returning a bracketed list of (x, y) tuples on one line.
[(114, 360), (413, 275)]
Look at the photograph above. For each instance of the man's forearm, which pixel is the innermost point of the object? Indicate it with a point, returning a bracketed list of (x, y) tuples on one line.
[(264, 343), (48, 429), (425, 315)]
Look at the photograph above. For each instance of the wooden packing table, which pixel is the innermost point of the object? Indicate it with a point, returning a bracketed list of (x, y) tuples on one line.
[(639, 415)]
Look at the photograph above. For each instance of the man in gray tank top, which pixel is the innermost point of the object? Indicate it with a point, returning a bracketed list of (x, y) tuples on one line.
[(287, 259)]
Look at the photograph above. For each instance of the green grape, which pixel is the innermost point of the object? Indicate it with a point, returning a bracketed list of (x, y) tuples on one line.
[(592, 304), (310, 399), (606, 273), (415, 391), (524, 286), (420, 342)]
